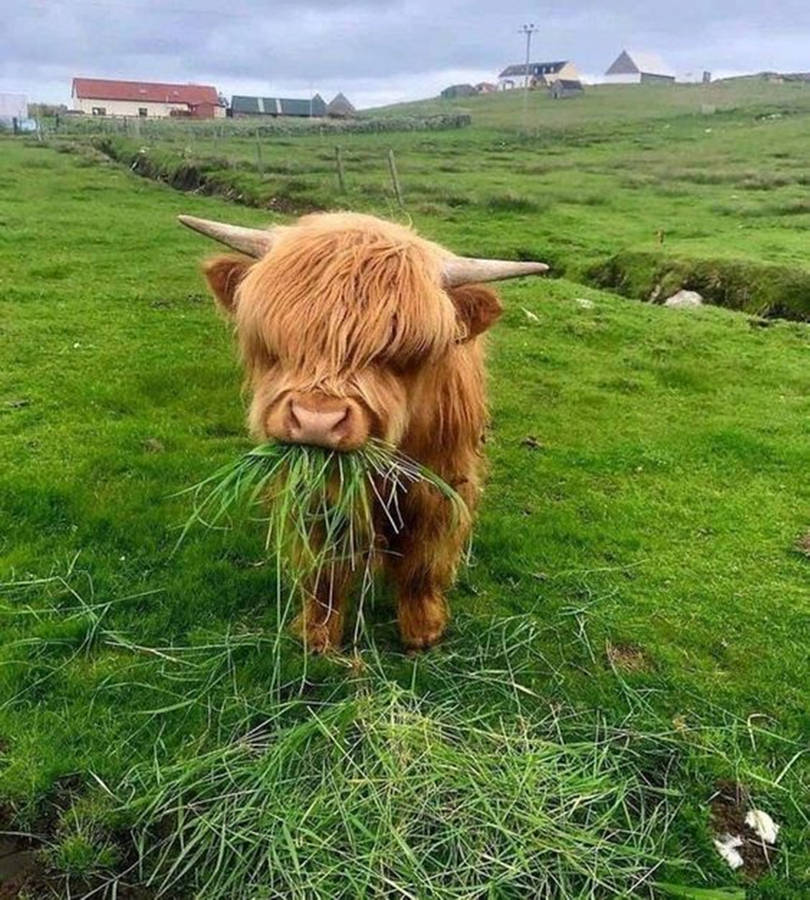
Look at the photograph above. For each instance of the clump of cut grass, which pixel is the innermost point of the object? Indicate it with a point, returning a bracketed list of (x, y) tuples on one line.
[(320, 507), (510, 201), (383, 792)]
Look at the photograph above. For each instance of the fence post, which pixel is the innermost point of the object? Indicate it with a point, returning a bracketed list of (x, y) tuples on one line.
[(259, 161), (340, 172), (392, 166)]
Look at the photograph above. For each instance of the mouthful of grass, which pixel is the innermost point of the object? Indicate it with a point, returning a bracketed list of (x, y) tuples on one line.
[(319, 507)]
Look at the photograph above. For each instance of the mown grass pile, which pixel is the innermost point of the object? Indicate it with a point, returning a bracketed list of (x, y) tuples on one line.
[(370, 786), (320, 507), (386, 793)]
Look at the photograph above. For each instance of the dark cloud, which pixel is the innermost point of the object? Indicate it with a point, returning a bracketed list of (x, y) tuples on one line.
[(379, 51)]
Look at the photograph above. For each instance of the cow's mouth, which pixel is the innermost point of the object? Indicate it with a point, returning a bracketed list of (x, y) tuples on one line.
[(322, 510)]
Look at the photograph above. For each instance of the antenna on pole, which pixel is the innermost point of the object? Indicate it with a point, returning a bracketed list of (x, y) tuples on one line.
[(528, 30)]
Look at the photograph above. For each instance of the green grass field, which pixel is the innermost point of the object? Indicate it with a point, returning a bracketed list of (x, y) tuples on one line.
[(634, 623), (641, 192)]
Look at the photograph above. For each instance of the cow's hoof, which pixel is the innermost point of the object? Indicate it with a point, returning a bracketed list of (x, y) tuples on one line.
[(416, 643), (317, 638), (422, 622)]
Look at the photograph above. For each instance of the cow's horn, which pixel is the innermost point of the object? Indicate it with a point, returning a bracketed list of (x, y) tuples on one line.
[(253, 241), (463, 270)]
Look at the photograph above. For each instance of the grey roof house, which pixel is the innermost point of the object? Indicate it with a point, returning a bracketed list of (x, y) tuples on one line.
[(458, 90), (539, 73), (564, 88), (340, 108), (277, 106)]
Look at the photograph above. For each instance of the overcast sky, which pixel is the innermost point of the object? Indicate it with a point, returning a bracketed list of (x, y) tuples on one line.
[(377, 51)]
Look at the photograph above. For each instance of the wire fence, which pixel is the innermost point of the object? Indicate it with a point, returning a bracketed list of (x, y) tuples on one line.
[(134, 126)]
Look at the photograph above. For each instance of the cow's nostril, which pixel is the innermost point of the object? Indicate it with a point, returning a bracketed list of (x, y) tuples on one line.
[(342, 421), (292, 420)]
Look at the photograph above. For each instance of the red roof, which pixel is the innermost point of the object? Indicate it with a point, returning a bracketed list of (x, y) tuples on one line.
[(148, 91)]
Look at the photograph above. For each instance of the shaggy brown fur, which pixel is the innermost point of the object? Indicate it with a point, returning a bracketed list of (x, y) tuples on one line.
[(349, 306)]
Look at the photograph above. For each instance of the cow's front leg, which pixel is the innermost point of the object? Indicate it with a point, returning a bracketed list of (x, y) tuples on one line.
[(423, 567), (422, 614), (320, 623)]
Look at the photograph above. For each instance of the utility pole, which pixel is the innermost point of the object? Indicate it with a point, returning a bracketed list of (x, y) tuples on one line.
[(528, 30)]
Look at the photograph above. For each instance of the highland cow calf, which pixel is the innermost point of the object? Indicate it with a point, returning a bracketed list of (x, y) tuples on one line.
[(353, 328)]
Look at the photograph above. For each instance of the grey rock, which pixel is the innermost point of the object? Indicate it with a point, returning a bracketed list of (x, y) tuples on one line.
[(684, 300)]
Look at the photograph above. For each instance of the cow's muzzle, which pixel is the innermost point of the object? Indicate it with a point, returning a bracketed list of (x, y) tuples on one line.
[(310, 418)]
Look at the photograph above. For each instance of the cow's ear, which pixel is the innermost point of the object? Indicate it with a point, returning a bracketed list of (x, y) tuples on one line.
[(224, 274), (477, 308)]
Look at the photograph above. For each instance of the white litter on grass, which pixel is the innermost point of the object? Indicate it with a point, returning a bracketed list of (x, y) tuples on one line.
[(584, 302), (727, 845), (530, 315), (763, 824)]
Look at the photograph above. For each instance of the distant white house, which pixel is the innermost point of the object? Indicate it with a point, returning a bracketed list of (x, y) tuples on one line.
[(105, 97), (541, 74), (635, 67), (13, 106)]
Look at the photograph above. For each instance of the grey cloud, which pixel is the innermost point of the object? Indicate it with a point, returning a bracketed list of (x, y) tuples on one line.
[(390, 48)]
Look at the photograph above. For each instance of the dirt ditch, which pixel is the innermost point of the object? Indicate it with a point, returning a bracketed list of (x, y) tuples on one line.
[(19, 866), (24, 867), (760, 289)]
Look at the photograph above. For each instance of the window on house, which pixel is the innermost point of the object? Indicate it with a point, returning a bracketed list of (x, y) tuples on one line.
[(142, 112), (99, 110)]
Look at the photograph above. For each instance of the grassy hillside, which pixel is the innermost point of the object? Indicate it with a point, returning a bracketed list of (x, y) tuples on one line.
[(603, 104), (635, 616)]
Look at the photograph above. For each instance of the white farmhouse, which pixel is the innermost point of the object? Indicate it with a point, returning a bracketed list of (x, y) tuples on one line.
[(633, 67), (146, 99)]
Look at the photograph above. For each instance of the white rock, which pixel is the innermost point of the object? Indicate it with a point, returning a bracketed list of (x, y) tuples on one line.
[(684, 300), (763, 824), (584, 302), (727, 845)]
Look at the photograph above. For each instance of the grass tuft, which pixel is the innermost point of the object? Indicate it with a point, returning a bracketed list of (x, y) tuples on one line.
[(322, 507)]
